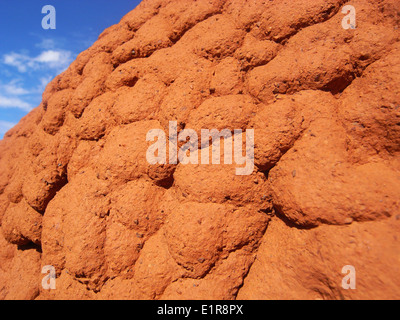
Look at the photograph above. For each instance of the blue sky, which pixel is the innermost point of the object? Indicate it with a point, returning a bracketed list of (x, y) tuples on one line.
[(31, 56)]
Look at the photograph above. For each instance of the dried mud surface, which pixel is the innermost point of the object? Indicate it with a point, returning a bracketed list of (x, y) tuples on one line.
[(77, 193)]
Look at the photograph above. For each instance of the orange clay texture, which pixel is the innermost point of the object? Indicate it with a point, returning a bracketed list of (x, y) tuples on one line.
[(77, 193)]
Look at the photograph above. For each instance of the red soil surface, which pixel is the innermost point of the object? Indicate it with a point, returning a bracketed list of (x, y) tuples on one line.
[(77, 193)]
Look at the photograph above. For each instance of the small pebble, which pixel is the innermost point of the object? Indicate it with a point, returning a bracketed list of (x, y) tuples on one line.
[(348, 220)]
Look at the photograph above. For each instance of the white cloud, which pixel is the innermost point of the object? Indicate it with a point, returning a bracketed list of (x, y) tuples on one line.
[(31, 75), (51, 56), (51, 59), (17, 60), (14, 88), (46, 44), (5, 126), (15, 95), (6, 102)]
